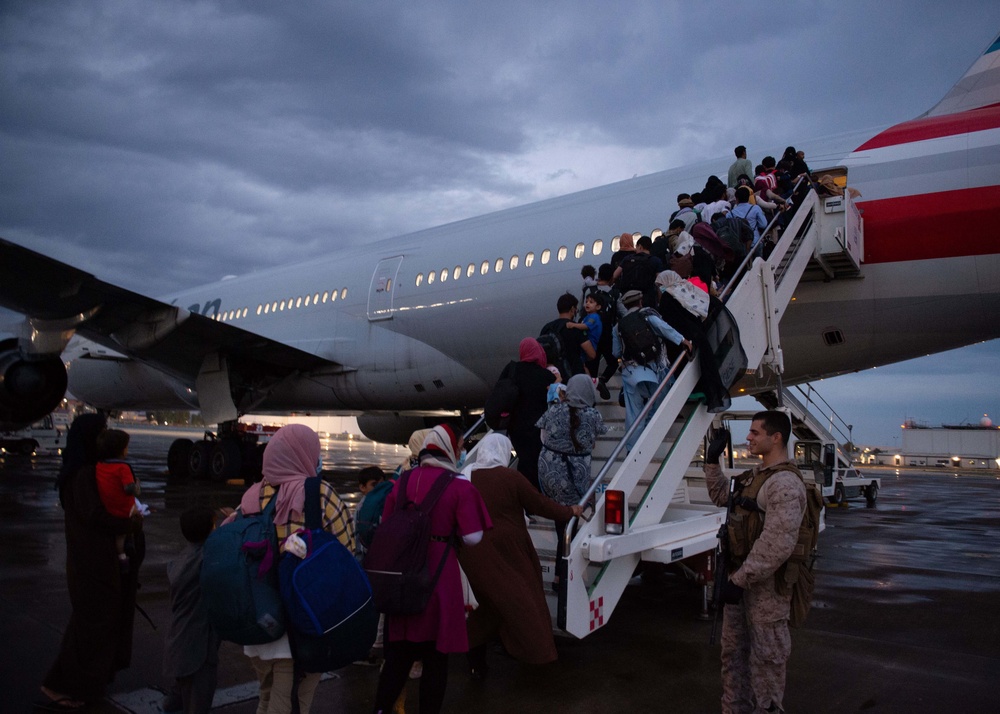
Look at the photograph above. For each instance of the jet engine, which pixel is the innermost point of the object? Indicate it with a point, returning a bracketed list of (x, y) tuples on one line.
[(118, 383), (31, 386), (393, 428)]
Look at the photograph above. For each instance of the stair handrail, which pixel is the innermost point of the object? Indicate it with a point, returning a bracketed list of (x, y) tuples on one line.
[(757, 247), (831, 416)]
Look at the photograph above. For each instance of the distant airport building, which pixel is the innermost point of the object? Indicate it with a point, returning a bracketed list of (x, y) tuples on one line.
[(957, 446)]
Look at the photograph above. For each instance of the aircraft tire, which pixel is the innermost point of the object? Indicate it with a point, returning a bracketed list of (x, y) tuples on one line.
[(177, 459), (225, 460), (199, 459)]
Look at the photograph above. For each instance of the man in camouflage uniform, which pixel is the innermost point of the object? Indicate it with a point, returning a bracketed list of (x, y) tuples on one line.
[(755, 637)]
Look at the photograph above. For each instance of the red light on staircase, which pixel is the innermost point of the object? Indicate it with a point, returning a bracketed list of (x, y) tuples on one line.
[(614, 512)]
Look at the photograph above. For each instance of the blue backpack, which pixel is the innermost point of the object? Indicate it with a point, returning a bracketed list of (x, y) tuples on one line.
[(239, 580), (329, 610)]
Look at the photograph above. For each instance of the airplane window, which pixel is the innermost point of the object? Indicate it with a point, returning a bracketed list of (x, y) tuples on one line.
[(316, 299), (529, 259), (444, 274), (232, 315), (282, 305), (324, 295), (308, 300), (420, 279), (388, 285), (579, 250), (655, 234), (598, 246), (471, 270), (298, 302), (458, 272), (431, 277), (274, 306), (245, 311), (513, 262), (267, 309), (498, 265), (333, 296), (561, 255), (615, 244), (545, 256), (343, 294), (260, 309), (484, 268)]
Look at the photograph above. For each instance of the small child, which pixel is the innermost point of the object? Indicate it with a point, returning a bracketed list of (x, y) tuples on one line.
[(374, 487), (591, 321), (116, 485), (191, 648)]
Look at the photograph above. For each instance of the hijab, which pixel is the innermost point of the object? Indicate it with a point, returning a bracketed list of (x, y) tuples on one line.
[(441, 448), (531, 350), (81, 447), (415, 444), (687, 295), (682, 243), (494, 450), (626, 242), (580, 391), (291, 457)]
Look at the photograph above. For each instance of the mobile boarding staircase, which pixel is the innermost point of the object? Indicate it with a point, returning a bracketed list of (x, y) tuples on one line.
[(661, 523)]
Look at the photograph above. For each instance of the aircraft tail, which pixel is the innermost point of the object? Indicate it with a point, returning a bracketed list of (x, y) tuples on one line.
[(980, 87)]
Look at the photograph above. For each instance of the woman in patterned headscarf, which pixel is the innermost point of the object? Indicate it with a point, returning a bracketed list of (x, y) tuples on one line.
[(440, 629)]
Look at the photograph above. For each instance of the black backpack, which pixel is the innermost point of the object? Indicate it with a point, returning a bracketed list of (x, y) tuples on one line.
[(739, 233), (638, 273), (550, 338), (396, 562), (639, 341), (502, 399)]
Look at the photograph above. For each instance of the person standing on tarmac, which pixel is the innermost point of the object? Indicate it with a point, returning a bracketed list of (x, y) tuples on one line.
[(769, 502)]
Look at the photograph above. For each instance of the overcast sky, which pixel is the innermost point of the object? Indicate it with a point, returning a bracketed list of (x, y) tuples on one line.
[(163, 145)]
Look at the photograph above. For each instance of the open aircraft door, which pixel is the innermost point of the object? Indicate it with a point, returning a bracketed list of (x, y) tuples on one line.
[(382, 289)]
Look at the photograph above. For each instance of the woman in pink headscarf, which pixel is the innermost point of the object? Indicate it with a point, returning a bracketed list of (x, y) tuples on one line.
[(440, 629), (533, 380), (292, 455)]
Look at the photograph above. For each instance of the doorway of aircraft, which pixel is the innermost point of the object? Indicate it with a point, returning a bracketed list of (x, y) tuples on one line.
[(382, 288)]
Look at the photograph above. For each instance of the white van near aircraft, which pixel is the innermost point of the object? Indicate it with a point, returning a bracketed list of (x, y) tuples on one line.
[(44, 436)]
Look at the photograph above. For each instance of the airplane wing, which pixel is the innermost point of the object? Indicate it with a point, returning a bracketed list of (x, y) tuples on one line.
[(164, 336)]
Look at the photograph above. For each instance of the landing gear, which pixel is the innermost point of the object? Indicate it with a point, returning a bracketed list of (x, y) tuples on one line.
[(226, 460), (199, 459), (229, 454), (871, 494)]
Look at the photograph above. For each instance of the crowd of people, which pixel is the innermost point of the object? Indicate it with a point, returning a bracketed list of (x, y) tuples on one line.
[(638, 313)]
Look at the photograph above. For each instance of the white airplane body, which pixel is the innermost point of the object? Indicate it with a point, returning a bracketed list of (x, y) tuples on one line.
[(426, 321)]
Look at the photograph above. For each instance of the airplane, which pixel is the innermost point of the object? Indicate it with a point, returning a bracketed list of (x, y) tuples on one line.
[(422, 324)]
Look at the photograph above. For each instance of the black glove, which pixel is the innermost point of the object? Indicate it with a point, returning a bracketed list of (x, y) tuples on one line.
[(718, 441), (732, 594)]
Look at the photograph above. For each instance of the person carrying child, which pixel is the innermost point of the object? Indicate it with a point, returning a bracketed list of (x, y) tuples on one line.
[(191, 647), (117, 487)]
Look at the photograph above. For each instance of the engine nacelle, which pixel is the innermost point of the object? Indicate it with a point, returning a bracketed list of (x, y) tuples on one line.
[(30, 386), (394, 428), (124, 384)]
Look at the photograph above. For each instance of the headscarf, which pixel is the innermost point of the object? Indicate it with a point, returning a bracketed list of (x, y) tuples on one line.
[(687, 295), (81, 447), (494, 450), (290, 458), (415, 444), (440, 448), (580, 391), (626, 242), (682, 243), (531, 350)]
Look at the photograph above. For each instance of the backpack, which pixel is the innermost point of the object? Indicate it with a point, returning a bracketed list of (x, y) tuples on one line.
[(555, 353), (638, 273), (239, 582), (706, 237), (639, 341), (396, 563), (369, 514), (502, 399), (329, 610), (797, 573), (735, 232)]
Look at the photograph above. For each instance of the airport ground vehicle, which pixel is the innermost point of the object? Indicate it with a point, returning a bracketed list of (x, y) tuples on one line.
[(45, 435)]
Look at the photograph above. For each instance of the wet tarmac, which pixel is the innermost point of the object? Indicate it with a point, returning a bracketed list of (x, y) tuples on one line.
[(905, 617)]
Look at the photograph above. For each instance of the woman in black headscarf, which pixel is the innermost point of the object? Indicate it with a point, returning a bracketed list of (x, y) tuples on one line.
[(98, 639)]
